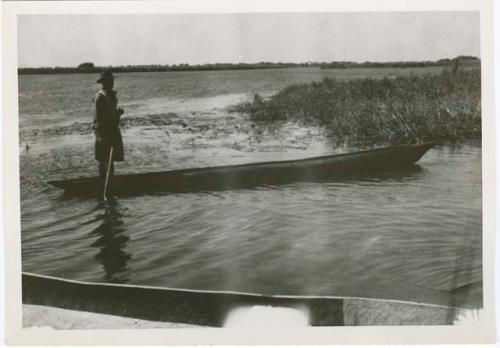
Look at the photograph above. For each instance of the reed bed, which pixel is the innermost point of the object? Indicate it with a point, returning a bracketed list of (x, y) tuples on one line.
[(443, 107)]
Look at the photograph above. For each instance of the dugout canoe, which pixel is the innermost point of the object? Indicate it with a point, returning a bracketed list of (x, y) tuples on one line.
[(252, 174), (216, 308)]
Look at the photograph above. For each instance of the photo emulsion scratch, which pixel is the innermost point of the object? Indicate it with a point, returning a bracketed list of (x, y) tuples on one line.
[(250, 170)]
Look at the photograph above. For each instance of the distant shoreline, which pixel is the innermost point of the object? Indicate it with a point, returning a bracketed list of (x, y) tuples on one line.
[(91, 69)]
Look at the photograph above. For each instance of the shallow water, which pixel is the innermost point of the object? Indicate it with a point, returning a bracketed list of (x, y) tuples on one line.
[(413, 234)]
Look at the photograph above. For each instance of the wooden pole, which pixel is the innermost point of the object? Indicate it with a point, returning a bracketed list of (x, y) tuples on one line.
[(108, 171)]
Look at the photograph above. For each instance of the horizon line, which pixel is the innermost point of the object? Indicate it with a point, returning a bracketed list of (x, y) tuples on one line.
[(253, 63)]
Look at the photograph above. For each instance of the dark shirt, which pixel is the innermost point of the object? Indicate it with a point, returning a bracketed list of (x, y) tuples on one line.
[(107, 126), (106, 117)]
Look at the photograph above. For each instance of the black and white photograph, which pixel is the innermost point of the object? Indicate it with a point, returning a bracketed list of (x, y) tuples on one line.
[(251, 170)]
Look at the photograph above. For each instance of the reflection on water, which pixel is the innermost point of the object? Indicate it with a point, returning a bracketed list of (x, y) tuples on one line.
[(111, 241), (410, 173)]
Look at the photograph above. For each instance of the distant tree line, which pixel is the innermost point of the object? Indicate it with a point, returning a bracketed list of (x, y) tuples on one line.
[(89, 67), (461, 60)]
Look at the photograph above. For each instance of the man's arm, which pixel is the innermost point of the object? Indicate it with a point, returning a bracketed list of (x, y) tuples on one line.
[(97, 115)]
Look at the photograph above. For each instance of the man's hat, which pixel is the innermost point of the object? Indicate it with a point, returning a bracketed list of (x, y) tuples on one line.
[(105, 75)]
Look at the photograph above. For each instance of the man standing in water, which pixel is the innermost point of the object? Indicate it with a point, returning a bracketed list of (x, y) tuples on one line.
[(107, 125)]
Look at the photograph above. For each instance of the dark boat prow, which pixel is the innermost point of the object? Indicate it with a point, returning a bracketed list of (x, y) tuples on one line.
[(213, 308), (252, 174)]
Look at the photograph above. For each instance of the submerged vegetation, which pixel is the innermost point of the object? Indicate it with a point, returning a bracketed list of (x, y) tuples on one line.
[(444, 107)]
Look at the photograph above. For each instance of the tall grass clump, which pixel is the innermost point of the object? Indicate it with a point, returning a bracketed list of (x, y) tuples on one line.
[(444, 107)]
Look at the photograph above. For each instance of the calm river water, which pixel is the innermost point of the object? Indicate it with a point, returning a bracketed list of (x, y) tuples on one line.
[(412, 235)]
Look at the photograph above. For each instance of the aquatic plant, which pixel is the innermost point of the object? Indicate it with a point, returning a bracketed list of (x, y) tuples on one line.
[(444, 107)]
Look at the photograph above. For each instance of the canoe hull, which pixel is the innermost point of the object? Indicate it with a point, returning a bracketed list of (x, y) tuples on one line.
[(251, 175), (213, 308)]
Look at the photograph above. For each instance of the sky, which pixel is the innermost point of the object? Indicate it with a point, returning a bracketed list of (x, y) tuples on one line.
[(68, 40)]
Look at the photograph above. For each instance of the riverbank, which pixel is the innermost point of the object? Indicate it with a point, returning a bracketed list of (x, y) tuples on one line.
[(66, 319)]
